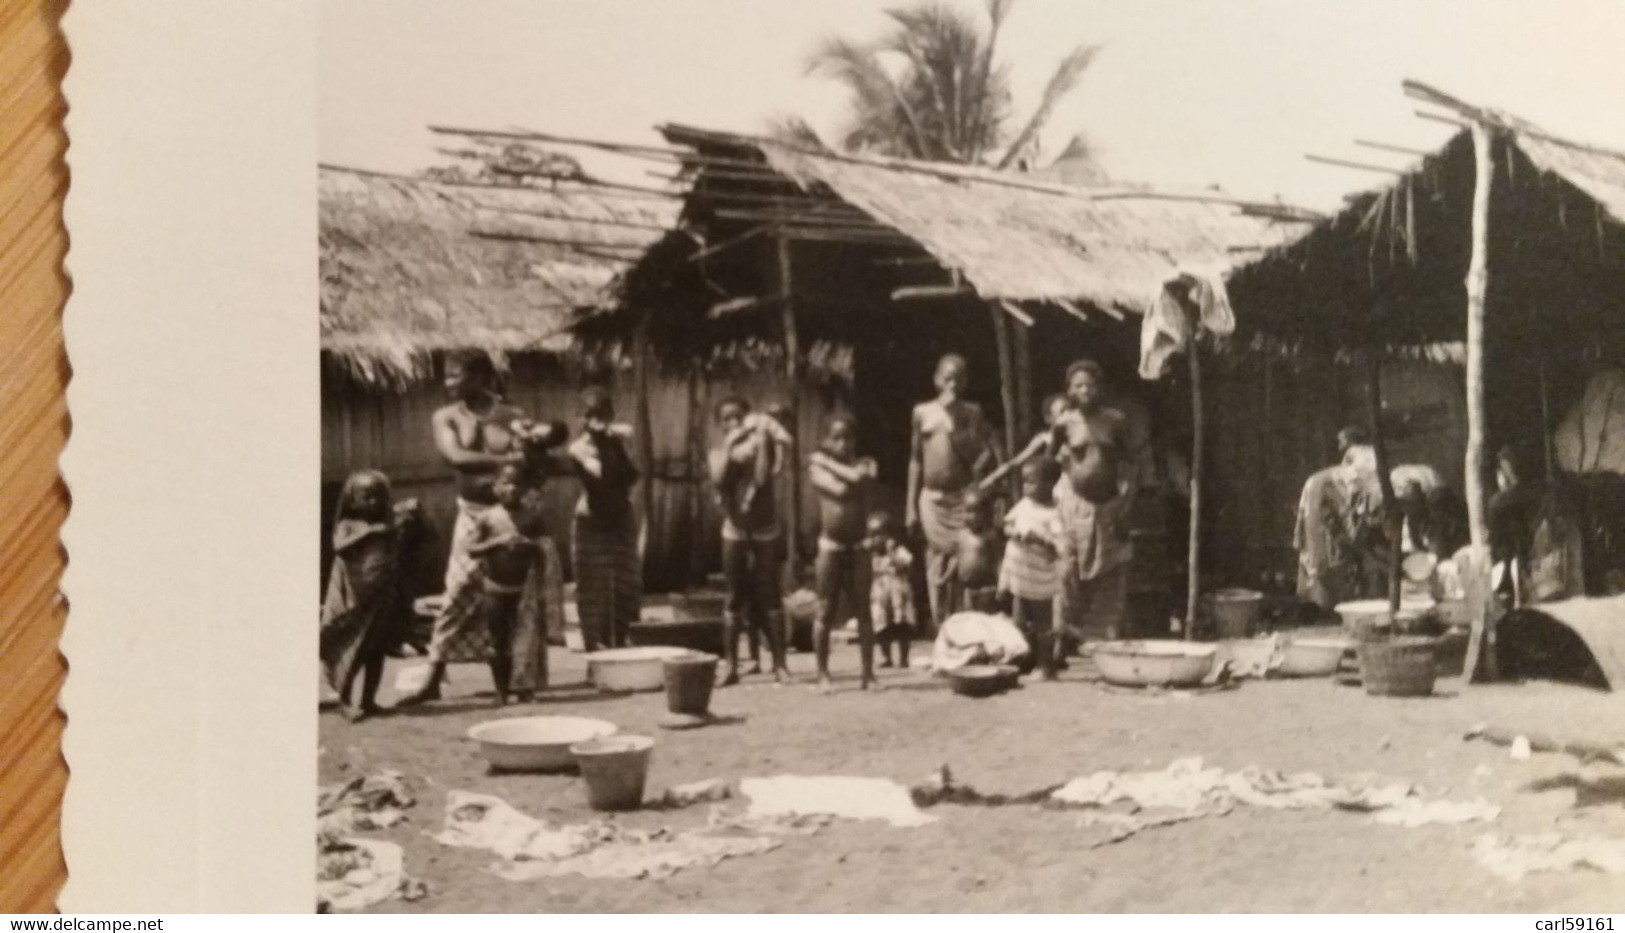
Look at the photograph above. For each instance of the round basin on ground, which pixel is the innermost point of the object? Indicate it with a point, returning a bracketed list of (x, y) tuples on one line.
[(536, 743), (1163, 663), (631, 670), (1313, 657)]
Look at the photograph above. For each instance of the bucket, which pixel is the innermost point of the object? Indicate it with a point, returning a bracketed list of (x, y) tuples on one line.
[(615, 769), (1402, 666), (688, 683), (1236, 612)]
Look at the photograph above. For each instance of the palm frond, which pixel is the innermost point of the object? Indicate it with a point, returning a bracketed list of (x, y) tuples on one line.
[(795, 131), (1068, 73), (979, 117), (873, 89)]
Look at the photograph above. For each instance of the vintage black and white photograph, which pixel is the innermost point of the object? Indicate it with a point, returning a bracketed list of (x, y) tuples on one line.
[(971, 456)]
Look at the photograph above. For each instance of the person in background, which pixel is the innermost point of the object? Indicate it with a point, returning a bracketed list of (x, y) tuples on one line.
[(1355, 449), (977, 556), (891, 591), (1095, 498), (609, 571), (842, 482), (1031, 572), (951, 447), (368, 606), (1510, 516), (744, 470)]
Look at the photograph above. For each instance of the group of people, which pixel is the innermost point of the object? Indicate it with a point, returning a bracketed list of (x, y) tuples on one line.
[(1341, 536), (1057, 561), (503, 595)]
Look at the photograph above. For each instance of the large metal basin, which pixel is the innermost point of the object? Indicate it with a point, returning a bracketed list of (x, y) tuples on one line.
[(1154, 662)]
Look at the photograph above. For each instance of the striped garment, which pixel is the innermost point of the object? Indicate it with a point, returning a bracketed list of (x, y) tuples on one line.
[(1032, 563), (463, 632), (609, 577)]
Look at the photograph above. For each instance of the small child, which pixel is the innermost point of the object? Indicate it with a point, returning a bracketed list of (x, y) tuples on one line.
[(891, 591), (1031, 573), (841, 480), (509, 551), (366, 611), (976, 558)]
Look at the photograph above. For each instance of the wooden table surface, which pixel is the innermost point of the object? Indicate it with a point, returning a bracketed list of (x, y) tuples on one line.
[(33, 426)]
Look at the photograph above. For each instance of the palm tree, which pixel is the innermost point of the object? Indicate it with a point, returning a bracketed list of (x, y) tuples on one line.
[(946, 96)]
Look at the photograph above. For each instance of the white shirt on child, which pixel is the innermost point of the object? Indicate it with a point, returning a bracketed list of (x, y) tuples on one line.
[(1030, 569)]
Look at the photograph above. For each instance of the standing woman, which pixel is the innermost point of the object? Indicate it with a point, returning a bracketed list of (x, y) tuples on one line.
[(1095, 497), (609, 572), (951, 447), (474, 434)]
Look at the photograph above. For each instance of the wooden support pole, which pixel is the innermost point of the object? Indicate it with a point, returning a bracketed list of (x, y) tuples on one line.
[(1481, 653), (641, 364), (1193, 573), (1007, 376), (792, 375), (1546, 448), (1026, 407), (695, 440), (1392, 522)]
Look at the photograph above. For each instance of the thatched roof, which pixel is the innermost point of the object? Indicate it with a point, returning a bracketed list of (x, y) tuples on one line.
[(1388, 271), (411, 267), (1600, 173), (1017, 238)]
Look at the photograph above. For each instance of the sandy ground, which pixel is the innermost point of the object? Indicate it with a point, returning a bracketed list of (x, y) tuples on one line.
[(1025, 859)]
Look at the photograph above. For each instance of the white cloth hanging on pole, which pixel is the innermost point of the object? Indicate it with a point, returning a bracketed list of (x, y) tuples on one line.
[(1166, 328)]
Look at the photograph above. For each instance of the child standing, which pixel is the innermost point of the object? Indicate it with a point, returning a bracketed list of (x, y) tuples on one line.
[(508, 548), (744, 471), (976, 558), (891, 592), (367, 608), (842, 483), (1031, 573)]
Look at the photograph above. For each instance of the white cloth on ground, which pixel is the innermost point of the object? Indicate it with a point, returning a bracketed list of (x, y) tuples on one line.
[(1513, 857), (977, 638), (1185, 785), (354, 874), (530, 848)]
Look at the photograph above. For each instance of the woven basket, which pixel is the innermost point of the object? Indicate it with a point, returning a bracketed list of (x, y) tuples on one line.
[(1404, 666)]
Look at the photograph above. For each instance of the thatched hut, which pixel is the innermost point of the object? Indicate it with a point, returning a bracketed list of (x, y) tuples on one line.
[(852, 274), (411, 269), (1385, 284)]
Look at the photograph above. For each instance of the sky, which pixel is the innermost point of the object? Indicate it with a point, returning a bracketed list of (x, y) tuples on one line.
[(1185, 93)]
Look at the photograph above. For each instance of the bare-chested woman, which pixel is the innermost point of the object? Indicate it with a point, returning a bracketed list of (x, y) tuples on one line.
[(474, 435), (1099, 452), (951, 447)]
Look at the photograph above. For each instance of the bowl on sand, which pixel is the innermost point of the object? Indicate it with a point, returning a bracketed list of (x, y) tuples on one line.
[(536, 743)]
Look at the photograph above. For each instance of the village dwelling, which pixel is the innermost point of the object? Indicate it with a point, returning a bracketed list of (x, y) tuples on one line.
[(413, 268), (883, 265), (1369, 309)]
